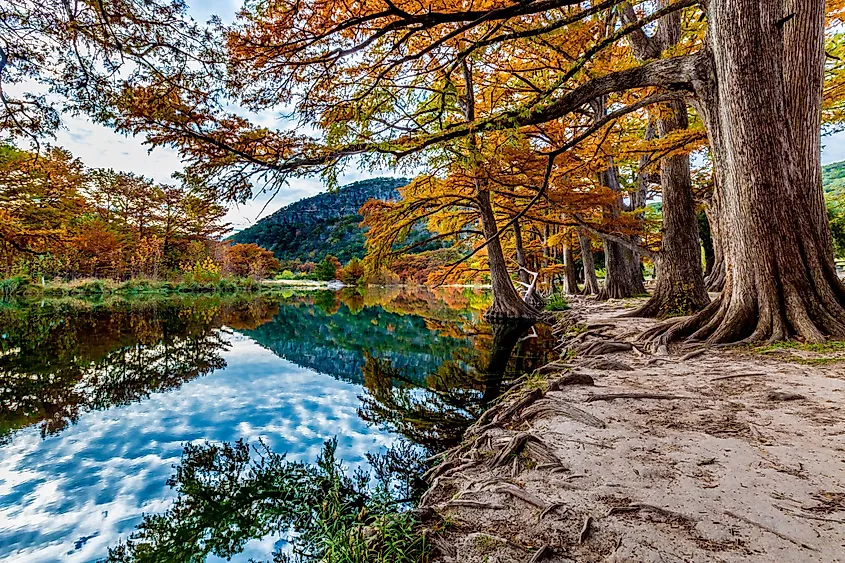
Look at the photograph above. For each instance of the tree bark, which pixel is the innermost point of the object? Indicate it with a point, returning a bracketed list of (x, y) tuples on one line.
[(715, 279), (507, 304), (780, 278), (570, 279), (520, 253), (591, 282), (679, 289)]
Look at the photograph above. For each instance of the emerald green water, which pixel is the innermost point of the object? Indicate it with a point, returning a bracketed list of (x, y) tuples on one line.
[(97, 399)]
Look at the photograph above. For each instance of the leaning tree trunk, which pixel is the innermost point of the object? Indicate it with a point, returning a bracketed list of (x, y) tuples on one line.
[(507, 304), (570, 279), (524, 277), (591, 281), (763, 129), (679, 289)]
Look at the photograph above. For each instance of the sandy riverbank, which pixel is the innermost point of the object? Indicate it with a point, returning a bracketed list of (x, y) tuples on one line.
[(611, 456)]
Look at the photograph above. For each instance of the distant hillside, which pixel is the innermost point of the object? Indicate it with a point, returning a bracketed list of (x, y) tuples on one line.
[(327, 223), (833, 177)]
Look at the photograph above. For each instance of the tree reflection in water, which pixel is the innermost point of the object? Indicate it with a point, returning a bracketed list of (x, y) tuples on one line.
[(62, 358), (435, 416)]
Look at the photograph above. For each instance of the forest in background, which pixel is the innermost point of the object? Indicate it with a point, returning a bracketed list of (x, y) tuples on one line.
[(60, 220)]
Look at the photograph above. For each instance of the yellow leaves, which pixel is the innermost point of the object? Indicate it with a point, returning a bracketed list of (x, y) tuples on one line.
[(835, 10), (834, 87)]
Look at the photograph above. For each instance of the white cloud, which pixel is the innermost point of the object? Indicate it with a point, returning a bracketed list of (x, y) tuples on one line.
[(833, 148)]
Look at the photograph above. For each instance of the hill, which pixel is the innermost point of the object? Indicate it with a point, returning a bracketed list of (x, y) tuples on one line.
[(327, 223), (833, 177)]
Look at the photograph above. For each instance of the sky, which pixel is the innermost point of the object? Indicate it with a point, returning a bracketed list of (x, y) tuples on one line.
[(100, 147)]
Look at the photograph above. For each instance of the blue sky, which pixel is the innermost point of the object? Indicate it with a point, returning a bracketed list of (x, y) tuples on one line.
[(100, 147)]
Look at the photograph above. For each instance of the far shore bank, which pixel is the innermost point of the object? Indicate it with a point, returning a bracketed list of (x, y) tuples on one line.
[(22, 287)]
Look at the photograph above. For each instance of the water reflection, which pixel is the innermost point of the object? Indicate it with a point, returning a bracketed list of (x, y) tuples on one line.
[(97, 399), (59, 359)]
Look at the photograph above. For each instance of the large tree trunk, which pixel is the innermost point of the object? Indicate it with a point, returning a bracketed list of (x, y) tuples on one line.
[(507, 304), (763, 128), (679, 289), (591, 282), (623, 273)]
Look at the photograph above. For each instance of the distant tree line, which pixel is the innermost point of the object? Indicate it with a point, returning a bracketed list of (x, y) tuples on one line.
[(59, 219)]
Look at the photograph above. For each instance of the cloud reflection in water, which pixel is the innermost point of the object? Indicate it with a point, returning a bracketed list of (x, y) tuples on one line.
[(69, 497)]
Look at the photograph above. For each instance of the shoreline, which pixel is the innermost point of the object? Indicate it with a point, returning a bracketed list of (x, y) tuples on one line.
[(615, 454), (19, 287)]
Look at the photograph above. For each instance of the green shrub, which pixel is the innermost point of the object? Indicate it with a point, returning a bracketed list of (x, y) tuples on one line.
[(90, 287), (137, 285), (557, 302), (13, 286)]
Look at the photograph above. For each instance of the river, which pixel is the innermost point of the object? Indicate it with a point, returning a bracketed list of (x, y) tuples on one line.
[(98, 398)]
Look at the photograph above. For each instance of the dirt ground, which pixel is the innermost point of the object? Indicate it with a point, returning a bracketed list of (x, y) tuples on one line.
[(719, 455)]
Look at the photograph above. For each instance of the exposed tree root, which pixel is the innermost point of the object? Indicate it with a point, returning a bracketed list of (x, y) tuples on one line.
[(543, 553), (518, 405), (525, 496), (770, 530), (614, 396), (637, 506), (547, 408), (736, 375), (445, 547), (606, 364), (551, 508), (552, 367), (585, 529), (571, 379), (524, 441), (475, 504), (672, 298), (600, 348), (753, 319)]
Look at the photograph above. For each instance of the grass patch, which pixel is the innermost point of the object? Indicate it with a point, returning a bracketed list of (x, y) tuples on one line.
[(92, 287), (557, 302), (488, 544), (829, 347), (13, 286), (809, 354)]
